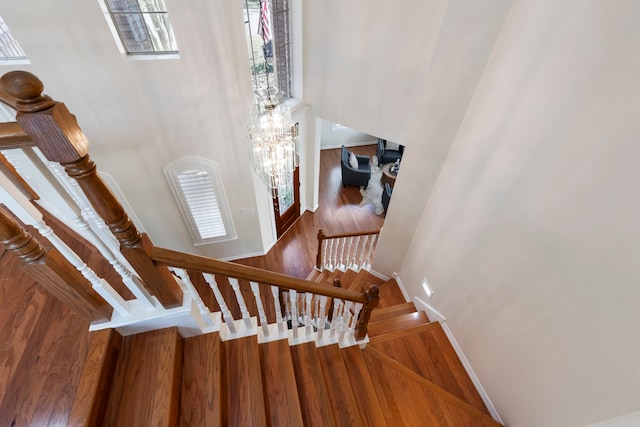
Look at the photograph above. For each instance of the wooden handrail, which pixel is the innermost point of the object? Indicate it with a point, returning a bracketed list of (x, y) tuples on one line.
[(52, 271), (186, 261), (12, 135), (58, 136), (323, 236)]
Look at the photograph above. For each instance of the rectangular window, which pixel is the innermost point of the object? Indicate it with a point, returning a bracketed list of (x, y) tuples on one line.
[(10, 50), (143, 26)]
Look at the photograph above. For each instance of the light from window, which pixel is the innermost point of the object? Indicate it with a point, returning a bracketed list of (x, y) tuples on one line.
[(143, 26), (10, 50), (197, 187)]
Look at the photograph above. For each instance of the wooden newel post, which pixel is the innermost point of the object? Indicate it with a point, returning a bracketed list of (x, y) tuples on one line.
[(57, 134), (52, 271), (319, 253), (365, 314)]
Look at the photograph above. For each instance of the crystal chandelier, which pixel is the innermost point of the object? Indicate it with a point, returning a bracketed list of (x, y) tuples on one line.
[(273, 138)]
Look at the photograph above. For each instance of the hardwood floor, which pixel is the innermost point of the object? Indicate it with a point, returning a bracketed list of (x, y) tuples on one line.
[(43, 344), (338, 212)]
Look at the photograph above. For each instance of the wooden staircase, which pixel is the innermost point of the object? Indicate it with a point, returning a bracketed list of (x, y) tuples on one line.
[(408, 375)]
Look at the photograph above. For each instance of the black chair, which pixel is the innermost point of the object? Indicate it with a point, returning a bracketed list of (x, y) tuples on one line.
[(386, 196), (386, 155), (355, 176)]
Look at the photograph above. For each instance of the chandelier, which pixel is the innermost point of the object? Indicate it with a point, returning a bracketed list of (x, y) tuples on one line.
[(273, 138)]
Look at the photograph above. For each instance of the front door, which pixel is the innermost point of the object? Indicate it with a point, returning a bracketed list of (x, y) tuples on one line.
[(286, 205)]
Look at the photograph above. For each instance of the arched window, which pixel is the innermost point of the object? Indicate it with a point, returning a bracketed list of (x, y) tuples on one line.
[(197, 187)]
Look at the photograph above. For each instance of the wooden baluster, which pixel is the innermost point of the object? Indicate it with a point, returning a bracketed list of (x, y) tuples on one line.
[(319, 263), (372, 302), (204, 311), (235, 285), (275, 291), (56, 132), (371, 246), (226, 314), (52, 271), (293, 298), (255, 288)]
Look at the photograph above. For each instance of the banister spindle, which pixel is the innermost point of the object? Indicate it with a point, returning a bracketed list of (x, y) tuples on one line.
[(371, 246), (363, 251), (204, 311), (57, 134), (308, 320), (235, 285), (255, 288), (355, 252), (226, 314), (275, 291), (293, 298), (343, 244)]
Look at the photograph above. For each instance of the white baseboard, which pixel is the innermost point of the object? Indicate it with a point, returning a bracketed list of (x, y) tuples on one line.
[(435, 315), (405, 294)]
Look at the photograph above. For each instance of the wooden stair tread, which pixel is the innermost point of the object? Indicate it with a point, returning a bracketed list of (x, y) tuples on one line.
[(437, 406), (380, 314), (242, 383), (95, 381), (313, 392), (341, 394), (146, 383), (401, 322), (279, 382), (361, 383), (427, 352), (201, 396), (390, 294)]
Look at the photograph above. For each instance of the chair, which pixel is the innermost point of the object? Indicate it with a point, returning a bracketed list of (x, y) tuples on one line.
[(352, 176), (386, 196), (387, 155)]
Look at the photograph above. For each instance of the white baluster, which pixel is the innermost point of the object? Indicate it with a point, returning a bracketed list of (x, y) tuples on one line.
[(235, 285), (92, 227), (336, 319), (348, 260), (331, 254), (324, 254), (275, 291), (346, 319), (343, 244), (321, 317), (204, 311), (261, 314), (293, 298), (363, 251), (226, 314), (371, 246), (355, 253), (308, 318)]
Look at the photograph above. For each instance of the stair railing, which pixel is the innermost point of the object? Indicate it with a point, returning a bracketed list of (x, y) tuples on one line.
[(282, 305), (47, 142), (347, 250)]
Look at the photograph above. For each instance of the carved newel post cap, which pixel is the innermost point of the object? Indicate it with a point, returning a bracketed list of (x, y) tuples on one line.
[(27, 88)]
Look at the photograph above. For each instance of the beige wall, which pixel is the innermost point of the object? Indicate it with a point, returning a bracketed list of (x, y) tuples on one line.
[(531, 237)]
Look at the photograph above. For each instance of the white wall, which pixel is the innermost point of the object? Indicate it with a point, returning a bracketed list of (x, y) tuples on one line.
[(335, 137), (531, 239), (140, 115)]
